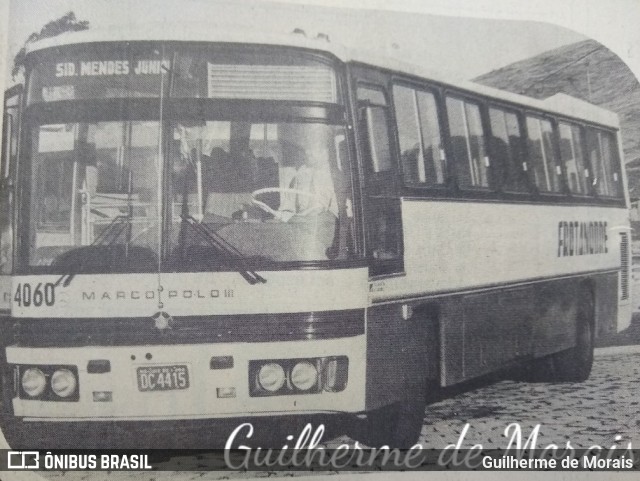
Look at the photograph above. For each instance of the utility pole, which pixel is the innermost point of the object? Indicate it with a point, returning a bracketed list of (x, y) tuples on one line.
[(589, 80)]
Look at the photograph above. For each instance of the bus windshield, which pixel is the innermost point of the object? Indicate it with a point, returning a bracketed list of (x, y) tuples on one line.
[(270, 190), (233, 148), (95, 184)]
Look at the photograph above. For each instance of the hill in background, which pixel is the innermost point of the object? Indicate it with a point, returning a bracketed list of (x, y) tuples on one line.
[(586, 70)]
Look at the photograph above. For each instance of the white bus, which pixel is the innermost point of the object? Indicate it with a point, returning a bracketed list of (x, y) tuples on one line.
[(231, 225)]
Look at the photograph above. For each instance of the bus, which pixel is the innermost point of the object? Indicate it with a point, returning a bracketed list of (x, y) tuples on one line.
[(218, 225)]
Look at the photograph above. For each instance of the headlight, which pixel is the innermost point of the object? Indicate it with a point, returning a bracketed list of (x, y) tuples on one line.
[(33, 382), (271, 377), (63, 383), (285, 377), (304, 376)]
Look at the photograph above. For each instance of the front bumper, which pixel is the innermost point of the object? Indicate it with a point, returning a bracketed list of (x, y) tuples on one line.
[(200, 400)]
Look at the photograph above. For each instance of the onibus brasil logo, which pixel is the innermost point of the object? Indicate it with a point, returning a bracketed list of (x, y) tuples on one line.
[(23, 460)]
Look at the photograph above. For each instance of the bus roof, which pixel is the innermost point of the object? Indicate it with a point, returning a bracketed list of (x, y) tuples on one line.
[(561, 104)]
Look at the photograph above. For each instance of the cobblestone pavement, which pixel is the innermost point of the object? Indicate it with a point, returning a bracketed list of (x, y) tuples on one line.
[(594, 412), (602, 411)]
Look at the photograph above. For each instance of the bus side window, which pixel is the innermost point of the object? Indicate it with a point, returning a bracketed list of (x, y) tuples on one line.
[(602, 153), (507, 150), (467, 142), (421, 152), (611, 158), (544, 168), (573, 159), (599, 168)]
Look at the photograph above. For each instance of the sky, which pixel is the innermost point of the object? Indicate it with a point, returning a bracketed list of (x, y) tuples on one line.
[(467, 46)]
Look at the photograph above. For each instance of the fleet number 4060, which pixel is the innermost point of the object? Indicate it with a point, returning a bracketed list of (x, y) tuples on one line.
[(42, 294)]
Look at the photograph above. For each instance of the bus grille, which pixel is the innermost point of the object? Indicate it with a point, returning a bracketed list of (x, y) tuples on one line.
[(189, 329), (624, 266)]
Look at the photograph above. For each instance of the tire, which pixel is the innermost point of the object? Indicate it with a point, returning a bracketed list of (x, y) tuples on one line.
[(399, 425), (571, 365), (574, 365), (13, 434), (35, 435), (396, 426)]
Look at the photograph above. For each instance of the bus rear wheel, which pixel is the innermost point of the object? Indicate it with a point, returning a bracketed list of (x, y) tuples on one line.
[(574, 365)]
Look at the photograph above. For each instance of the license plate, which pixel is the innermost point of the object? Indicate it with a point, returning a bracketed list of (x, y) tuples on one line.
[(163, 378)]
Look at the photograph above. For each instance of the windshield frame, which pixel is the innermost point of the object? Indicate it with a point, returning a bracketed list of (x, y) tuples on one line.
[(178, 109)]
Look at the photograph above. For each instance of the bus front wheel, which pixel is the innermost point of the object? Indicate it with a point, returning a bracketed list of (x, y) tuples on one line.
[(13, 433), (397, 426)]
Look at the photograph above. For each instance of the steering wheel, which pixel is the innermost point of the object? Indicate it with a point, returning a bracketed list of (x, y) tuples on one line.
[(317, 207)]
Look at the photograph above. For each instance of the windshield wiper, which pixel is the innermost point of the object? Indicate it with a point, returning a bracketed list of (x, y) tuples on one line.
[(211, 237), (217, 242), (107, 237), (110, 235)]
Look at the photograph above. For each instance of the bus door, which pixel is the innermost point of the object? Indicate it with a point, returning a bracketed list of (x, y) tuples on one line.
[(381, 201), (10, 130)]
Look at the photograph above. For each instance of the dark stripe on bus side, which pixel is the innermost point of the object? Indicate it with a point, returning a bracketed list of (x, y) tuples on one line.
[(411, 297)]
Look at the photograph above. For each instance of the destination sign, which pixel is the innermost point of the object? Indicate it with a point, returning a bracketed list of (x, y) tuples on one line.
[(120, 70), (103, 73), (93, 68)]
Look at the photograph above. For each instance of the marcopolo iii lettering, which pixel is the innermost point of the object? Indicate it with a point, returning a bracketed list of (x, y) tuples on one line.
[(135, 295)]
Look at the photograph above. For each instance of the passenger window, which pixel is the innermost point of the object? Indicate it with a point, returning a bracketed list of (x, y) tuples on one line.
[(544, 167), (436, 162), (604, 161), (601, 175), (467, 141), (572, 156), (506, 141), (421, 152), (611, 158)]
